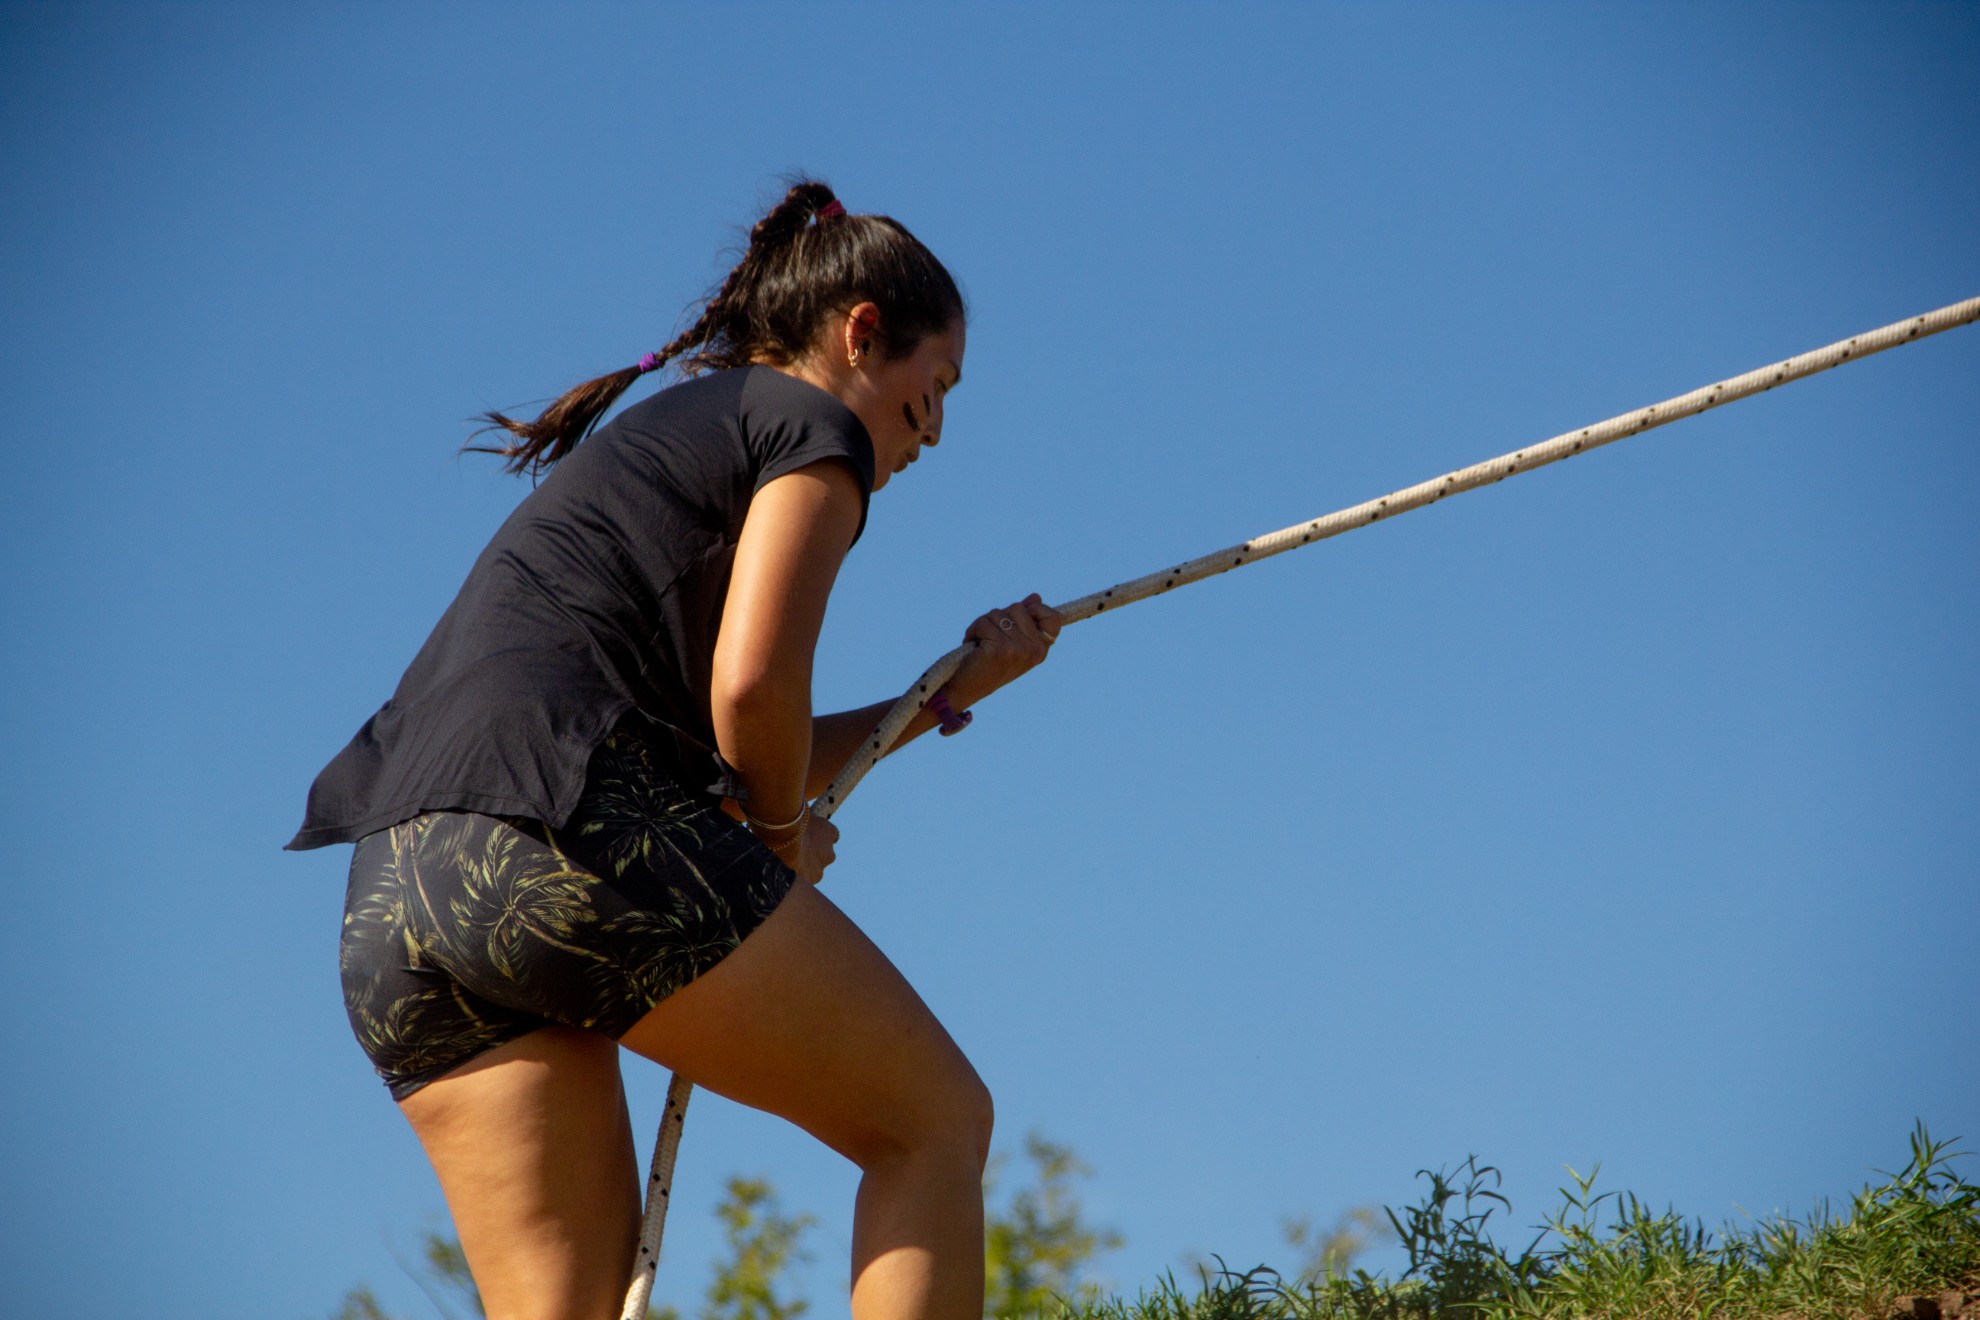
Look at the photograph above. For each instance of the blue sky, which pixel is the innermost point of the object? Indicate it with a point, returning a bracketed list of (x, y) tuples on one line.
[(1610, 815)]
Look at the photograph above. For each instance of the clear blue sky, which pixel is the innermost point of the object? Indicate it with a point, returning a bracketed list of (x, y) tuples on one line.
[(1612, 814)]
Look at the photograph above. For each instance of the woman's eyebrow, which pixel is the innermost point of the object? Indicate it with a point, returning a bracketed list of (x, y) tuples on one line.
[(957, 369)]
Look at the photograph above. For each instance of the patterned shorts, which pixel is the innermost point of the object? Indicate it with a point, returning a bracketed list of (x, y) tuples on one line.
[(464, 931)]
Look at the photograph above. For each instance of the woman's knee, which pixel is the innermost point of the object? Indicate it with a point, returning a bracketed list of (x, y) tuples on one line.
[(976, 1117), (948, 1115), (809, 1021)]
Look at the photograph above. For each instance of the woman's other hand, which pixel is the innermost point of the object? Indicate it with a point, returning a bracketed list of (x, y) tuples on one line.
[(811, 850), (1010, 642)]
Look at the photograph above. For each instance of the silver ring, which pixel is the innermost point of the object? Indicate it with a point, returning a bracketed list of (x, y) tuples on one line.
[(1004, 624)]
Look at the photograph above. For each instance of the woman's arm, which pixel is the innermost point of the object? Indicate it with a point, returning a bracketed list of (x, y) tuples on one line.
[(1001, 655), (793, 540)]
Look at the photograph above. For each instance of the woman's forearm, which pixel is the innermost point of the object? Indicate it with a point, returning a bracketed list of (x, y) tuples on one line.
[(787, 557), (765, 733), (1009, 642), (834, 739)]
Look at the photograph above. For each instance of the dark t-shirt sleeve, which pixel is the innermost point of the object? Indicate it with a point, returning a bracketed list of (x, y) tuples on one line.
[(788, 424)]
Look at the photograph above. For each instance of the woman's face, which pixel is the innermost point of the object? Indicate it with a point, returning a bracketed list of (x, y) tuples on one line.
[(900, 399)]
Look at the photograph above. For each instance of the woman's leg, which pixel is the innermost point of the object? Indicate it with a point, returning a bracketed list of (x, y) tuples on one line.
[(535, 1156), (809, 1021)]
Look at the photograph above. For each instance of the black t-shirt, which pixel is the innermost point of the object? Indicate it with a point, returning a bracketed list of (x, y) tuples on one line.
[(602, 592)]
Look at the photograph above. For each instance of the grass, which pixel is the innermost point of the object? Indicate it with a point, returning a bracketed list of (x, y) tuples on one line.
[(1608, 1256)]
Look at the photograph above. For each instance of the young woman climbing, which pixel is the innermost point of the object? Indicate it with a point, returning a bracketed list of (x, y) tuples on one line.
[(580, 820)]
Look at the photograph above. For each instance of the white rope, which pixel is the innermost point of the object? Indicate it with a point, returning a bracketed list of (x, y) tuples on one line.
[(1492, 470), (659, 1185)]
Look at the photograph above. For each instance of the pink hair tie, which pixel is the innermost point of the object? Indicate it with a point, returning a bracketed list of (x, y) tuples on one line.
[(832, 208), (952, 723), (648, 363)]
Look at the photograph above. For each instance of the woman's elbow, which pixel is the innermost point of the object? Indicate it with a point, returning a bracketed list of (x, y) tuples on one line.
[(760, 697)]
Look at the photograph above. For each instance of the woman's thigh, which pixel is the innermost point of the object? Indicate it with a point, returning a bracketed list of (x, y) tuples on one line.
[(534, 1151), (808, 1020)]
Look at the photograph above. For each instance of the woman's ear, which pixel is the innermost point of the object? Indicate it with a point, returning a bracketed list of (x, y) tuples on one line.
[(862, 327)]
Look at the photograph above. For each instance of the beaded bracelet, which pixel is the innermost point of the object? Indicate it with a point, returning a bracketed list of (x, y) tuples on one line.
[(777, 848)]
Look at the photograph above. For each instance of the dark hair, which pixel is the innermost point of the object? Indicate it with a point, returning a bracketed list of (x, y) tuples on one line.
[(799, 269)]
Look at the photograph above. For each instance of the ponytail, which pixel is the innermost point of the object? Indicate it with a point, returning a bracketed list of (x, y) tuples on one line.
[(806, 259)]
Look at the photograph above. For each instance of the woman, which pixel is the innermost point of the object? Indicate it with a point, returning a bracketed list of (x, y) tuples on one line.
[(544, 870)]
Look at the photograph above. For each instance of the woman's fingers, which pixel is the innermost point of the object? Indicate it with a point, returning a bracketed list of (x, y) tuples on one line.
[(1009, 642), (1023, 633), (817, 851), (1015, 628), (1048, 619)]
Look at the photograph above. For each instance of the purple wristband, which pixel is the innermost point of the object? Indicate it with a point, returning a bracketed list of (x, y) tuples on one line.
[(951, 722)]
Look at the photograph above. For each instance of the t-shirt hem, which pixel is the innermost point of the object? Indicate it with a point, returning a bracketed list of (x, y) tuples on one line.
[(322, 836)]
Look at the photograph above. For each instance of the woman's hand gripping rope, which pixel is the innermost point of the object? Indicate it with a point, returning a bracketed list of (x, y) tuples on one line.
[(808, 849), (1010, 643)]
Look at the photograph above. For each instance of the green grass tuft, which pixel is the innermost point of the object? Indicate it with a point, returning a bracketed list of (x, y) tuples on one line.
[(1608, 1256)]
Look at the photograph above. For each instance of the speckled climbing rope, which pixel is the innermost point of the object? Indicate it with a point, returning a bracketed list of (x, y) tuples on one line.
[(1565, 445), (659, 1186)]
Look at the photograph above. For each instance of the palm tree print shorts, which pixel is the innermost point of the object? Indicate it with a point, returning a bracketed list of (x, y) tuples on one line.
[(462, 931)]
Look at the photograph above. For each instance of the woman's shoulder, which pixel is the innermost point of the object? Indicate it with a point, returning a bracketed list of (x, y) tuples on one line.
[(735, 394), (784, 408), (764, 420), (767, 387), (713, 398)]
